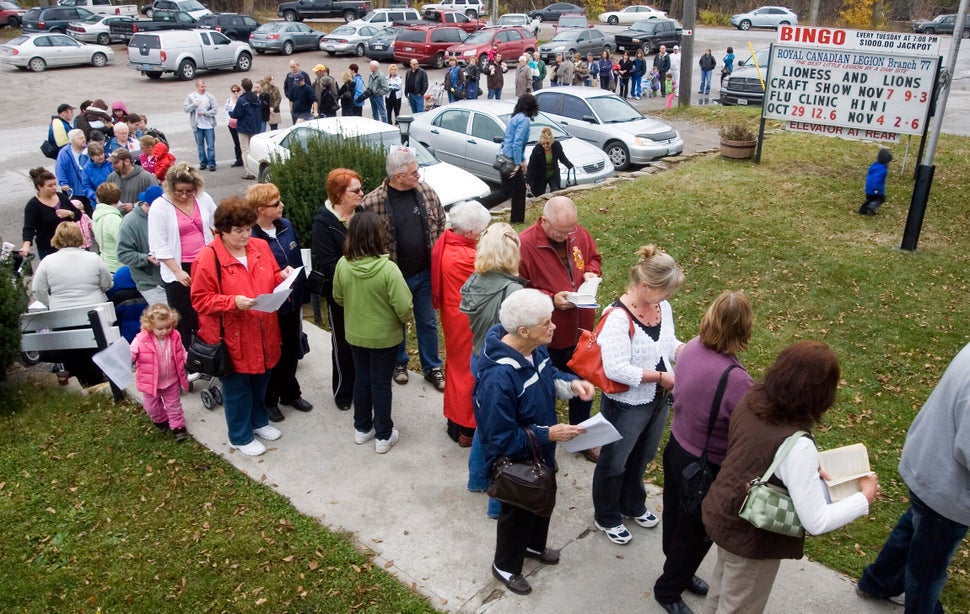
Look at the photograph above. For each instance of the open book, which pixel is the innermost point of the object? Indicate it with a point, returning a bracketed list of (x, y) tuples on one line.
[(845, 466), (585, 295)]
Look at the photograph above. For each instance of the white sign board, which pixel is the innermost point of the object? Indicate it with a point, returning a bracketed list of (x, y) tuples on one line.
[(831, 77)]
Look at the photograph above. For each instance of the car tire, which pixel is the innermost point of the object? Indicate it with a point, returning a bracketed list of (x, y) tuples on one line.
[(614, 20), (99, 60), (243, 63), (29, 359), (966, 33), (439, 60), (619, 155), (647, 48), (264, 175), (784, 23), (607, 49), (349, 16), (331, 54), (538, 18), (471, 14), (290, 16), (185, 70), (744, 25), (149, 12), (359, 50), (37, 65), (104, 39), (483, 62), (930, 31), (154, 75), (288, 48), (13, 22), (259, 51)]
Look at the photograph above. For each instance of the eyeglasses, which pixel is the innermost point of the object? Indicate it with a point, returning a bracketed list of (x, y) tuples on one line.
[(358, 190), (558, 231), (415, 174), (236, 91), (184, 192), (278, 203)]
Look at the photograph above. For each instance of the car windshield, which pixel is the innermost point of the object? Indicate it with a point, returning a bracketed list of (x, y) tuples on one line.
[(93, 19), (510, 20), (613, 110), (644, 26), (940, 18), (479, 37), (302, 135), (762, 55), (345, 31), (566, 36), (271, 27), (369, 16), (190, 5), (573, 21), (20, 40), (9, 6), (539, 122)]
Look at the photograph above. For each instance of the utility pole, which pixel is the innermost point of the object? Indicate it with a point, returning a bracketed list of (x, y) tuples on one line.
[(684, 79)]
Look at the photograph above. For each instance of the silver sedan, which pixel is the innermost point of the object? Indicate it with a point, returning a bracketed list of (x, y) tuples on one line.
[(469, 133), (350, 39), (38, 51)]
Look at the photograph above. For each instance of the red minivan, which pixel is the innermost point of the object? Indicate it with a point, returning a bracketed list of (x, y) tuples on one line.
[(426, 44)]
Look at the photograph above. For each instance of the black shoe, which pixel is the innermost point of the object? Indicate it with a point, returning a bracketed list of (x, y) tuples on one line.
[(677, 607), (236, 163), (548, 556), (274, 413), (436, 378), (202, 167), (343, 406), (162, 426), (516, 582), (697, 586), (180, 435), (299, 404), (212, 168)]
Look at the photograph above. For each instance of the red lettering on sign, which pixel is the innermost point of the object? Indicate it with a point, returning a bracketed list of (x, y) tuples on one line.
[(822, 36)]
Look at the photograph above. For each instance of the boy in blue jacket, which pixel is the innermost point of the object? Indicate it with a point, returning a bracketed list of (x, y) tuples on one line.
[(876, 183)]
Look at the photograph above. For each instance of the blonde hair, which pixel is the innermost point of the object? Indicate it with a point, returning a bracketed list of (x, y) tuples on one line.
[(546, 136), (261, 194), (147, 141), (345, 76), (498, 250), (158, 313), (67, 234), (727, 326), (657, 269), (183, 172)]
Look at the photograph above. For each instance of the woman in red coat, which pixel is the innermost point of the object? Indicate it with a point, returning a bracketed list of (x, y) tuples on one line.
[(227, 276), (452, 262)]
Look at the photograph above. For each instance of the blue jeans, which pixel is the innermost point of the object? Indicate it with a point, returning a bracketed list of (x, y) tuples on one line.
[(425, 322), (377, 109), (495, 94), (205, 140), (244, 395), (914, 559), (705, 82), (637, 86), (471, 91), (416, 102), (618, 478), (374, 369)]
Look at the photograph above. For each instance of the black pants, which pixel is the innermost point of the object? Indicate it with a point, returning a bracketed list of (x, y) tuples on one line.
[(553, 182), (180, 299), (514, 187), (341, 357), (283, 386), (663, 83), (235, 144), (685, 542), (578, 408), (517, 530), (393, 105), (872, 203)]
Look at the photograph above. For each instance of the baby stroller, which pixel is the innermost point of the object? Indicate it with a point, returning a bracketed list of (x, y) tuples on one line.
[(436, 96)]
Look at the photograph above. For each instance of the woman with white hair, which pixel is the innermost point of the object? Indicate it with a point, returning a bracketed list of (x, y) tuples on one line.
[(452, 262), (71, 161), (523, 77), (515, 392)]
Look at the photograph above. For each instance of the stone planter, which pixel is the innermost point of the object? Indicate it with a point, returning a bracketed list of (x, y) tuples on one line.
[(738, 150)]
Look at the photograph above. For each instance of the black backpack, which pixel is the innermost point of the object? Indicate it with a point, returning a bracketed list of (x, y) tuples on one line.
[(328, 103), (158, 134)]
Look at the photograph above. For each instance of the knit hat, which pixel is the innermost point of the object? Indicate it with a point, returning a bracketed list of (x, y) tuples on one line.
[(150, 194)]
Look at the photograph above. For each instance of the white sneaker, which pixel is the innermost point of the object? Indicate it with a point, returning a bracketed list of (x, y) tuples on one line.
[(193, 376), (268, 432), (382, 446), (360, 438), (253, 448)]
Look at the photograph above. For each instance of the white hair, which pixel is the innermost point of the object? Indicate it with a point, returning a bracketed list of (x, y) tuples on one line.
[(73, 134), (398, 161), (469, 217), (375, 63), (524, 308), (524, 58)]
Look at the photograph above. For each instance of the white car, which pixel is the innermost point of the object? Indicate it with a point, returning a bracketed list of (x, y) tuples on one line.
[(469, 133), (765, 17), (472, 8), (452, 184), (348, 39), (38, 51), (97, 29), (521, 20), (631, 14)]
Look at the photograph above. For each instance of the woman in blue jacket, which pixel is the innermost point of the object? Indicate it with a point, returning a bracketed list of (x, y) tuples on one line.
[(248, 114), (513, 146)]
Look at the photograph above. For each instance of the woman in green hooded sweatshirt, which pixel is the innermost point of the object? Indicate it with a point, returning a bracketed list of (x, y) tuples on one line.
[(376, 302)]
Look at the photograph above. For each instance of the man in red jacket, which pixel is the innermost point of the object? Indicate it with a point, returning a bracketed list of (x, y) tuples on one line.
[(558, 255)]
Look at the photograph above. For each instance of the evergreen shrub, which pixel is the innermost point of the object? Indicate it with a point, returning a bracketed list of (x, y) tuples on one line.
[(12, 303)]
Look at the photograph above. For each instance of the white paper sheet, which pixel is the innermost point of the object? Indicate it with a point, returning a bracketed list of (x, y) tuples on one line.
[(599, 432), (115, 361), (272, 302), (585, 296)]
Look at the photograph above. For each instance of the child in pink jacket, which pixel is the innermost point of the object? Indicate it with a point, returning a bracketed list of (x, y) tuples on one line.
[(160, 369)]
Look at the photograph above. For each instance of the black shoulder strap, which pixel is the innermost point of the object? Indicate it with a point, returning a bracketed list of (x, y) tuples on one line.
[(222, 332), (716, 405)]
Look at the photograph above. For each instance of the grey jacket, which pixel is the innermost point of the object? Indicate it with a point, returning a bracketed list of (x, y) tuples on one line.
[(377, 82), (133, 250), (481, 297), (132, 184)]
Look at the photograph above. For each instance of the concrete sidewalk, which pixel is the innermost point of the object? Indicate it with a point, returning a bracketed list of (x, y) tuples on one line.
[(410, 507)]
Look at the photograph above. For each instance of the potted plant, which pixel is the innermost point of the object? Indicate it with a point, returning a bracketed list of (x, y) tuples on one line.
[(738, 141)]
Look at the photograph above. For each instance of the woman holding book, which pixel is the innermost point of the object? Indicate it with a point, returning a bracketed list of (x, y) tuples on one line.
[(797, 390)]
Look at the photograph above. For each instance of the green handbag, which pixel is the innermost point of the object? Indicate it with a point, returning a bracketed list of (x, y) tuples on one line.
[(769, 507)]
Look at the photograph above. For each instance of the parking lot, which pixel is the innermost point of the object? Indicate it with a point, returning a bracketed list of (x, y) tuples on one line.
[(31, 98)]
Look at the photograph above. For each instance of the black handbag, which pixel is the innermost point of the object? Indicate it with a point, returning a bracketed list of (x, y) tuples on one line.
[(528, 484), (698, 476), (316, 282), (210, 358), (49, 149), (504, 165)]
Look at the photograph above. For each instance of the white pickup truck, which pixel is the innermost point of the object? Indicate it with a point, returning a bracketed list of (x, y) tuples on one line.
[(102, 7), (471, 8)]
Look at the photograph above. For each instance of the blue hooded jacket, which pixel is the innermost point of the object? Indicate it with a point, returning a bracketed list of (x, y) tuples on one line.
[(286, 249)]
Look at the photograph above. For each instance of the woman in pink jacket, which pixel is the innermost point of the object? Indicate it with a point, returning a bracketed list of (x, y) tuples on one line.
[(160, 369)]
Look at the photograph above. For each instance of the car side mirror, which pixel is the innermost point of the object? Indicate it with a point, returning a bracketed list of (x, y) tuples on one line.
[(498, 139), (589, 119), (740, 62)]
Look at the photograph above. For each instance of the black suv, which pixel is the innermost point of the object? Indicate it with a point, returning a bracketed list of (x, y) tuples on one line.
[(53, 18), (235, 26), (649, 34)]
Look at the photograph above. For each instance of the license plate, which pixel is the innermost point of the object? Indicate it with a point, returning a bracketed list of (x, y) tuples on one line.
[(409, 48), (742, 101), (147, 67), (257, 43), (331, 48), (378, 47)]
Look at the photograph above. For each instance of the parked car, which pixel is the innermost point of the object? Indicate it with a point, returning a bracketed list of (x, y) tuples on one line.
[(765, 17), (512, 42), (649, 34), (38, 51), (385, 18), (744, 86), (452, 184), (572, 21), (161, 19), (942, 24), (52, 18), (381, 46), (472, 8), (570, 41), (631, 14), (285, 37), (192, 7), (426, 44), (520, 20), (348, 39), (102, 7), (469, 133), (183, 52), (611, 123), (97, 29), (444, 17), (554, 11), (11, 14), (312, 9), (233, 25)]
